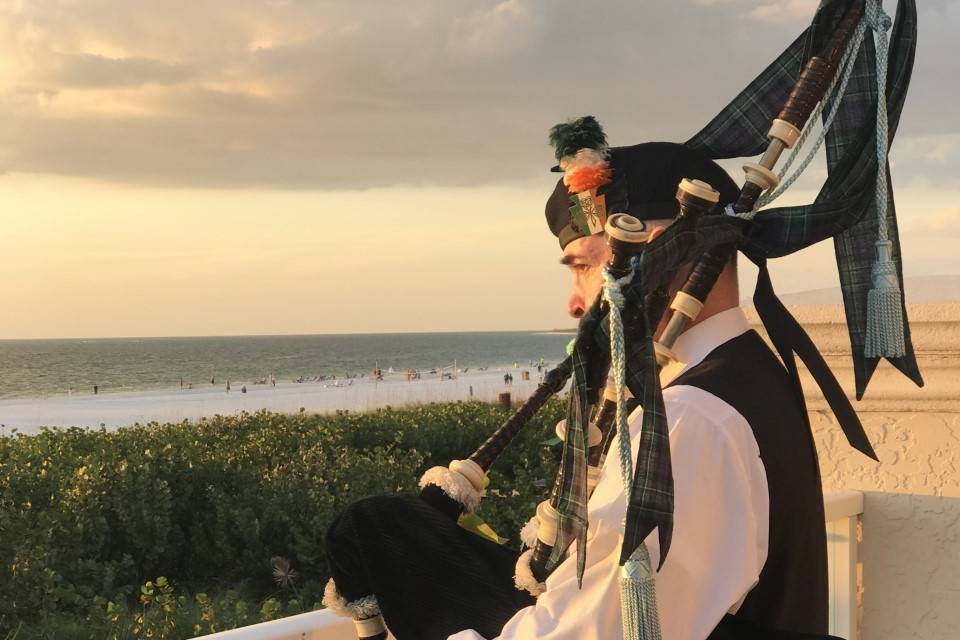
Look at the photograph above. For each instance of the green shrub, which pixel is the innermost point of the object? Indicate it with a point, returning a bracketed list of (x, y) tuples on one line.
[(89, 519)]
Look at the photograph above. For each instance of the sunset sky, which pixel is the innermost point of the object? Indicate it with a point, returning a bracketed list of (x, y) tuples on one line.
[(265, 167)]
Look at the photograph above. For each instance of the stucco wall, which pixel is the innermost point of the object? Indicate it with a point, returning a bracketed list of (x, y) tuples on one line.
[(910, 552)]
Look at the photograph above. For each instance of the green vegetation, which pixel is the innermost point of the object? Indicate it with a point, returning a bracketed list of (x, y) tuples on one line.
[(175, 530)]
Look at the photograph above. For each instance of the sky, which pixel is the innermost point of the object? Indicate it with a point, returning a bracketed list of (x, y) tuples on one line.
[(225, 167)]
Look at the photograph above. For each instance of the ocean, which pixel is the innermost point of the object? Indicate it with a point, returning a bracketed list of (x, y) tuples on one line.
[(44, 368)]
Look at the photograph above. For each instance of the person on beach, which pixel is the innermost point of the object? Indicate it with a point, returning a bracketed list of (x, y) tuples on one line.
[(96, 388), (228, 386)]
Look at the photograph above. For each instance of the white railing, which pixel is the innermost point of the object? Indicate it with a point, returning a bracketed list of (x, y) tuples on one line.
[(315, 625), (843, 510)]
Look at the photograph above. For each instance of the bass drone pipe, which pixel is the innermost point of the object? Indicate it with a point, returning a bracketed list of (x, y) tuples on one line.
[(784, 132)]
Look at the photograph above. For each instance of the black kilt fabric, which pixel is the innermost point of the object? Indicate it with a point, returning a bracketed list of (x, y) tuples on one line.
[(431, 577)]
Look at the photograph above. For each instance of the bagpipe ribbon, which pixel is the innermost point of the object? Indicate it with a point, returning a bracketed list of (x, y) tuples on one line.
[(845, 208), (789, 339)]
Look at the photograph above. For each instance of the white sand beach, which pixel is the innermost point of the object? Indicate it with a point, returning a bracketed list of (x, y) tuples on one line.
[(113, 410)]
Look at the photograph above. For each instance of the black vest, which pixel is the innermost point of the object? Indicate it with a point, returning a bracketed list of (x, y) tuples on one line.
[(792, 592)]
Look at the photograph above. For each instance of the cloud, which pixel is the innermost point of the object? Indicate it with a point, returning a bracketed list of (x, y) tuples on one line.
[(506, 28), (339, 94), (929, 161), (938, 223), (88, 70), (784, 11), (946, 220)]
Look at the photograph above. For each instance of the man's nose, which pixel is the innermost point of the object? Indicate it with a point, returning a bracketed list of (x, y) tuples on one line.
[(575, 305)]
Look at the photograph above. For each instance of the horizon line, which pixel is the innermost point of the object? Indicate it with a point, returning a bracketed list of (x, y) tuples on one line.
[(288, 335)]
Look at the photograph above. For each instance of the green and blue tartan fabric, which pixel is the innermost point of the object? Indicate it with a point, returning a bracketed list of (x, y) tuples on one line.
[(571, 503), (845, 208), (650, 503), (857, 241)]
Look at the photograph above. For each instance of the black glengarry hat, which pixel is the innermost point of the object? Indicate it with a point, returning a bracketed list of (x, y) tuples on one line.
[(640, 180)]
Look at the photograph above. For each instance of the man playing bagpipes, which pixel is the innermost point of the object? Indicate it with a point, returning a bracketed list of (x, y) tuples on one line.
[(707, 522)]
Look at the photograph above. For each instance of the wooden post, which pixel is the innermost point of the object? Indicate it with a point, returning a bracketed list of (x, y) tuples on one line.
[(505, 400)]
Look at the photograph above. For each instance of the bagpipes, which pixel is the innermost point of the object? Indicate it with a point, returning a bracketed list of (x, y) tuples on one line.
[(707, 235)]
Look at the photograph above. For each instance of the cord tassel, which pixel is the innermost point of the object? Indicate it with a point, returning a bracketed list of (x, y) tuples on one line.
[(638, 597), (884, 337), (638, 594), (884, 332)]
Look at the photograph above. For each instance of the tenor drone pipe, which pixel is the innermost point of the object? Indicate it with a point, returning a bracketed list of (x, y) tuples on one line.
[(810, 89)]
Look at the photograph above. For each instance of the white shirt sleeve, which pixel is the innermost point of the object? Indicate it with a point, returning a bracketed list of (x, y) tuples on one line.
[(721, 520)]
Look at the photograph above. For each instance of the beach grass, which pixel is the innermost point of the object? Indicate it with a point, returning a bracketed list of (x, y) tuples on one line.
[(172, 530)]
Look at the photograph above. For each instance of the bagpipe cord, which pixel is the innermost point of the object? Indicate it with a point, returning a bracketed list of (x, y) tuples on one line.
[(638, 595), (885, 332)]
